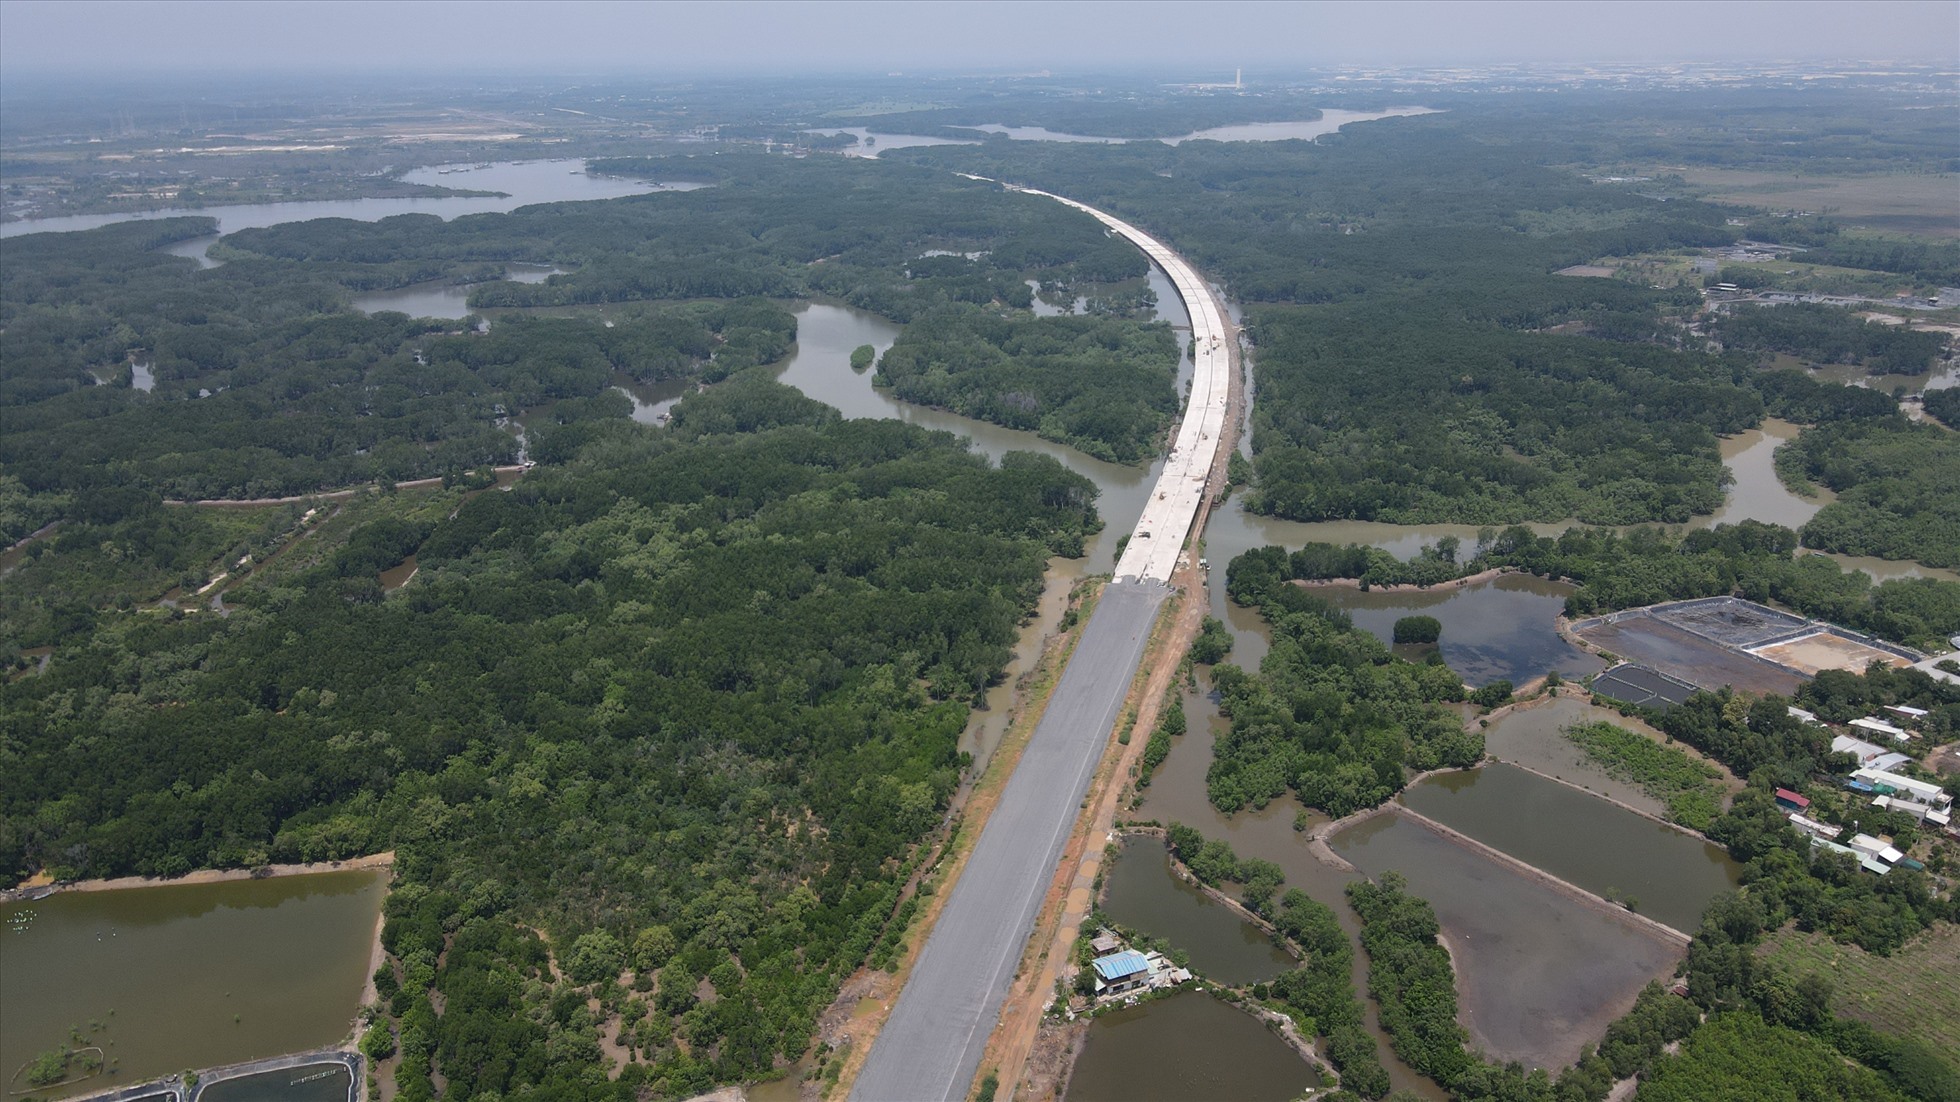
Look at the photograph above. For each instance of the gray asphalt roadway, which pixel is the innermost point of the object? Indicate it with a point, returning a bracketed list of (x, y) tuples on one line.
[(931, 1046)]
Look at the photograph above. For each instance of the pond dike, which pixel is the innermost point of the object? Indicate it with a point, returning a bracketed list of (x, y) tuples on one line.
[(1531, 872)]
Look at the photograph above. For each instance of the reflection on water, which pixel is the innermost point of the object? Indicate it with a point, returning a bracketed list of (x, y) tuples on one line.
[(1146, 895), (1330, 120), (1186, 1048), (189, 975), (1501, 629)]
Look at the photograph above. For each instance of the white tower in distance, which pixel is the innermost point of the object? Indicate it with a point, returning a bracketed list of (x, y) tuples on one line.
[(1238, 79)]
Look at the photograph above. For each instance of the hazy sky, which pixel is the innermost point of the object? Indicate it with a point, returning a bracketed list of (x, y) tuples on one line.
[(850, 35)]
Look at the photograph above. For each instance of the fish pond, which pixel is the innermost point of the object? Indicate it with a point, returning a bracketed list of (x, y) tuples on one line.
[(175, 976), (1189, 1047)]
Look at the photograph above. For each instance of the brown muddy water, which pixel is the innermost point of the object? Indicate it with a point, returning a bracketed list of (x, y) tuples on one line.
[(1189, 1047), (1145, 894), (187, 975), (1177, 794), (398, 575), (1669, 876), (1539, 974)]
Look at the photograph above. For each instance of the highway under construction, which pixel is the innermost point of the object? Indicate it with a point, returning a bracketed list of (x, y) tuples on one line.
[(931, 1046)]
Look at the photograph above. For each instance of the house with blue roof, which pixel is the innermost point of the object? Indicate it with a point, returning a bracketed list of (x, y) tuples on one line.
[(1120, 972)]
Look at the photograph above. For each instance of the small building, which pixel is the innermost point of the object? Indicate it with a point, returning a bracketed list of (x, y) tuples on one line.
[(1938, 816), (1913, 789), (1876, 847), (1878, 726), (1791, 801), (1865, 752), (1105, 942), (1120, 972), (1911, 715), (1807, 717), (1814, 828), (1865, 861)]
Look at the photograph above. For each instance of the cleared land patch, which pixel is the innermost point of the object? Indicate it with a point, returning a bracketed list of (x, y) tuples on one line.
[(1915, 992), (1825, 651), (1919, 203)]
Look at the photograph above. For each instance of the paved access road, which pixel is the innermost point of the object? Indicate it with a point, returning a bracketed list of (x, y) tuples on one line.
[(930, 1048)]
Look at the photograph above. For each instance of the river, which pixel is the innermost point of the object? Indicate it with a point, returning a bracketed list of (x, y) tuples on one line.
[(440, 299), (870, 143), (521, 182), (187, 976)]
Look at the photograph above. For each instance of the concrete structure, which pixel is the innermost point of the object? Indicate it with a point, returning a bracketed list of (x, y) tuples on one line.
[(1158, 538), (931, 1046)]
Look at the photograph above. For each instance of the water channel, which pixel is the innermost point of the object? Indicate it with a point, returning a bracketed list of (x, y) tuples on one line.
[(170, 977), (1189, 1047), (440, 299)]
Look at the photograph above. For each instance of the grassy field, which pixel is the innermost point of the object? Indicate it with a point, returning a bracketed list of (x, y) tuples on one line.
[(1909, 203), (1914, 992)]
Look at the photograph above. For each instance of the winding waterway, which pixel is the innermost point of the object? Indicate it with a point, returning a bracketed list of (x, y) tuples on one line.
[(520, 182)]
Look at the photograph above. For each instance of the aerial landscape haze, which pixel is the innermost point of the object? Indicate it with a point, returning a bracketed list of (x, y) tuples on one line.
[(614, 552)]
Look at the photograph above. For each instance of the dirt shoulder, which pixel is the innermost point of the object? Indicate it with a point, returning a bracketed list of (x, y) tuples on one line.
[(851, 1024), (1071, 894)]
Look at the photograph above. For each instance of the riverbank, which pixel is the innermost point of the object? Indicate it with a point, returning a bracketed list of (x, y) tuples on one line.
[(38, 888)]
